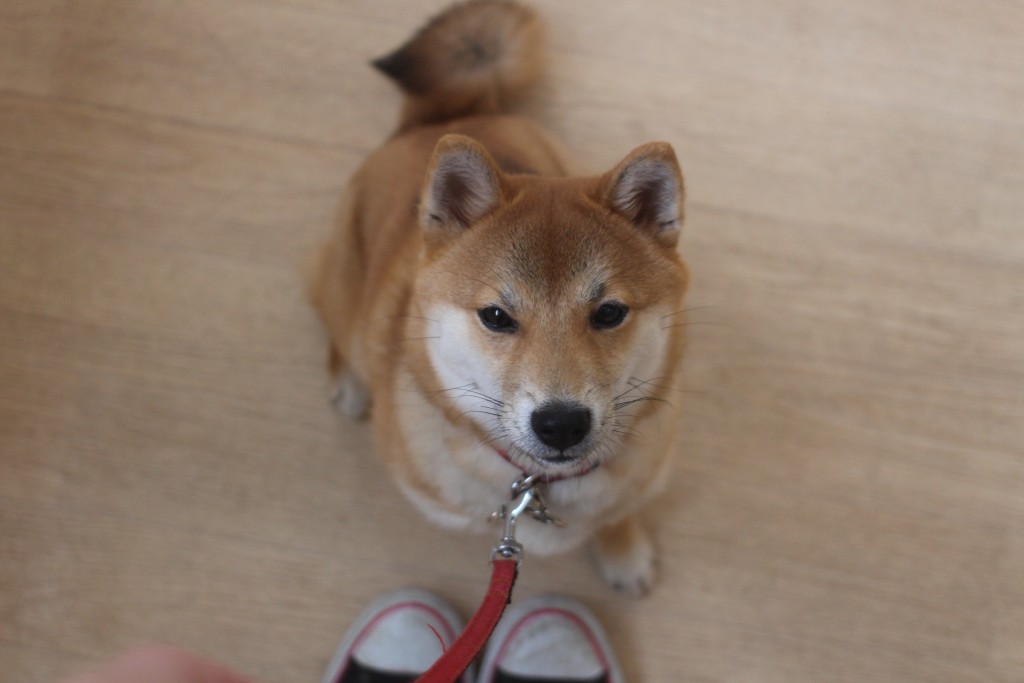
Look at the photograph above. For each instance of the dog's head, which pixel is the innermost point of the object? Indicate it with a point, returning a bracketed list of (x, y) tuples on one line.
[(551, 306)]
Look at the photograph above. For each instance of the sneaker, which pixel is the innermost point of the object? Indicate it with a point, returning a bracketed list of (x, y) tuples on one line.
[(396, 640), (549, 639)]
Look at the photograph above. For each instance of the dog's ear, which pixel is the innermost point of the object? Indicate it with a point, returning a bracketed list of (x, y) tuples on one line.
[(647, 189), (463, 185)]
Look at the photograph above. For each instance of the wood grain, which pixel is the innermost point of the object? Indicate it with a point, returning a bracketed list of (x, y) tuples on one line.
[(849, 500)]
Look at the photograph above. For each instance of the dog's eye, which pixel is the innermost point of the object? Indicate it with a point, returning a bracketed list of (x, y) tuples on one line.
[(496, 319), (609, 315)]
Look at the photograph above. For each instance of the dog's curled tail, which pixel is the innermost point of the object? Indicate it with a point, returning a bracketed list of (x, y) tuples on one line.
[(473, 58)]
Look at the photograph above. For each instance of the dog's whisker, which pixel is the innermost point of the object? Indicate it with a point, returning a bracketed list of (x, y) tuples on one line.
[(458, 388), (686, 310), (499, 276), (635, 385), (414, 317), (481, 395), (481, 412), (693, 323), (469, 391), (653, 399)]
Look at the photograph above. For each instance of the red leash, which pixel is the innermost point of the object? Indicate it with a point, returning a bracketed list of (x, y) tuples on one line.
[(505, 557), (464, 650)]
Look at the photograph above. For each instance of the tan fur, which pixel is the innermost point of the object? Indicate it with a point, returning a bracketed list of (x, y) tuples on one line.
[(452, 215)]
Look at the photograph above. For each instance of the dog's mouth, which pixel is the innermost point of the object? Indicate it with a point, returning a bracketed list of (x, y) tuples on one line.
[(560, 459), (574, 462)]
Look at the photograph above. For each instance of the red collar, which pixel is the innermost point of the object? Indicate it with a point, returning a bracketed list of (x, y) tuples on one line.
[(547, 479)]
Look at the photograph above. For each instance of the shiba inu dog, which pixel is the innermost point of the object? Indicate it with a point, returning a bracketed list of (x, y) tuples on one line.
[(504, 315)]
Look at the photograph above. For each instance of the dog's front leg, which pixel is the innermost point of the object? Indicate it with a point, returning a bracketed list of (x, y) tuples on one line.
[(625, 556)]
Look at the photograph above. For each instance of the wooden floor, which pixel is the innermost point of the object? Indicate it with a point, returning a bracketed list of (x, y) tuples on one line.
[(849, 499)]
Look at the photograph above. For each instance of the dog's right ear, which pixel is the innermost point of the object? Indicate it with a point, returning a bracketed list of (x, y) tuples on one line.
[(463, 185), (646, 188)]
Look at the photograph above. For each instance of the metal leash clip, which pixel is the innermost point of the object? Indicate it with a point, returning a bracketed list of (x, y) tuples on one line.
[(525, 498)]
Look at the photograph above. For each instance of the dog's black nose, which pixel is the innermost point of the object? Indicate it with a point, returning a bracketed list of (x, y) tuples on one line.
[(561, 425)]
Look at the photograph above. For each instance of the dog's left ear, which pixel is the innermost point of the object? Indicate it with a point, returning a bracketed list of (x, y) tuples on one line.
[(647, 189), (463, 185)]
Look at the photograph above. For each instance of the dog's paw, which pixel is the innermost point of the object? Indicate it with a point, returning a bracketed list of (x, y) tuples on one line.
[(626, 558), (631, 574), (350, 396)]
